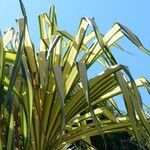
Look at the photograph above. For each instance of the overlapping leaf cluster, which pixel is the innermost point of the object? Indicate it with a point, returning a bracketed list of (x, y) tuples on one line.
[(46, 99)]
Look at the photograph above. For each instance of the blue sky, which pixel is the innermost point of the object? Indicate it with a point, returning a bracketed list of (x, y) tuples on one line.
[(132, 13)]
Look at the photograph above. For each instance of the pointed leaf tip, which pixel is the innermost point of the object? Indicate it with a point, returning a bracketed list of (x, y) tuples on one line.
[(22, 8)]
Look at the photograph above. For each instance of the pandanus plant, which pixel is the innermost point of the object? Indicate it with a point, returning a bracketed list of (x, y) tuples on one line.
[(46, 99)]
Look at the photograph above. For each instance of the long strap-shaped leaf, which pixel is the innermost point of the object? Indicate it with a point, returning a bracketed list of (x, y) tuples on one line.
[(43, 69), (75, 47), (106, 54), (129, 104), (45, 38), (83, 76), (52, 16), (60, 88), (10, 140), (119, 30), (132, 37), (18, 58), (138, 103), (29, 101), (1, 69), (17, 63)]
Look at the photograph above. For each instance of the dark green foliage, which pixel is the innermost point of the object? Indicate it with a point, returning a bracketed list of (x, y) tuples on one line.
[(116, 141)]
